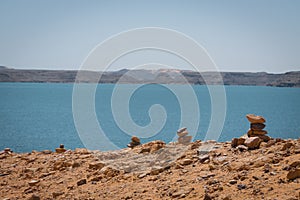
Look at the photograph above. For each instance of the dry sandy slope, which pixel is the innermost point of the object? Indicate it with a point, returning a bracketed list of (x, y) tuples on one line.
[(81, 174)]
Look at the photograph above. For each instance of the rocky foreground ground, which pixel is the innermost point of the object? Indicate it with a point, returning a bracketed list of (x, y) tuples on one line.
[(200, 170)]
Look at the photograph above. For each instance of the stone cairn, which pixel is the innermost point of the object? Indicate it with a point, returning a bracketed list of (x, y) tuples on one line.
[(183, 137), (135, 141), (256, 127), (255, 134), (61, 149)]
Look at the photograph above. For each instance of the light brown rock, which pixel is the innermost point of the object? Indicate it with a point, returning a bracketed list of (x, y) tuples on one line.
[(96, 165), (181, 130), (253, 142), (287, 146), (257, 126), (252, 133), (135, 139), (156, 170), (33, 182), (255, 119), (185, 139), (293, 174), (184, 133), (186, 161), (60, 150)]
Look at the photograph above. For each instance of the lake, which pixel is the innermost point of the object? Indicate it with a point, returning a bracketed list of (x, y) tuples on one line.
[(38, 116)]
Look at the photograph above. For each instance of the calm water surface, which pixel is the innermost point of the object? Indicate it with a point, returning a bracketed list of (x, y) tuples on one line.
[(39, 115)]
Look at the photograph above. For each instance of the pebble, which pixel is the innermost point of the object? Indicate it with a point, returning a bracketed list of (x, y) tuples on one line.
[(46, 151), (232, 182), (242, 148), (186, 162), (293, 174), (184, 133), (207, 197), (96, 165), (56, 194), (156, 170), (253, 142), (203, 158), (287, 146), (34, 197), (142, 175), (81, 182), (33, 182), (241, 186), (60, 150)]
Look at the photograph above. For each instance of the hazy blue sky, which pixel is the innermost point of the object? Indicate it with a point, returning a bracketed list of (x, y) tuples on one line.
[(252, 35)]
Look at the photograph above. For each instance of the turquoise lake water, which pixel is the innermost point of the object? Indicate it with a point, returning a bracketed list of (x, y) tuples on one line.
[(38, 116)]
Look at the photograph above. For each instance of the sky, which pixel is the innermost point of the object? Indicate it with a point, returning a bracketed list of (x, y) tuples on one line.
[(239, 35)]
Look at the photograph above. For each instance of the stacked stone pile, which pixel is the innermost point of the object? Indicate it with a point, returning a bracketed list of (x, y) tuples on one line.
[(256, 127), (135, 141), (183, 137), (255, 135), (61, 149)]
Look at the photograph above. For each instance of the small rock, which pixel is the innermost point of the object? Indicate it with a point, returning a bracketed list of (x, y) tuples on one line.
[(212, 182), (34, 197), (96, 165), (271, 143), (233, 181), (109, 171), (196, 144), (272, 173), (186, 161), (81, 182), (60, 150), (182, 193), (226, 198), (208, 176), (156, 170), (207, 197), (82, 151), (211, 167), (267, 168), (33, 182), (234, 142), (242, 148), (96, 179), (264, 138), (241, 186), (253, 142), (46, 151), (184, 133), (56, 194), (31, 170), (295, 164), (203, 158), (185, 139), (254, 119), (75, 164), (287, 146), (257, 126), (293, 174), (143, 175), (181, 130), (135, 139)]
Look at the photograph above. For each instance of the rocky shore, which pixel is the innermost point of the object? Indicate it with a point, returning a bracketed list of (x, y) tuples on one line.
[(198, 170)]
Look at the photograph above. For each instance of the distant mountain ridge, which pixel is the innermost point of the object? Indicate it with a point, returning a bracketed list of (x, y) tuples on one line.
[(160, 76)]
